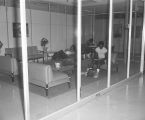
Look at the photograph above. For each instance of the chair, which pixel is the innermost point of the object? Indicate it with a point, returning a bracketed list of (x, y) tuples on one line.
[(8, 66), (43, 75), (33, 53), (114, 63)]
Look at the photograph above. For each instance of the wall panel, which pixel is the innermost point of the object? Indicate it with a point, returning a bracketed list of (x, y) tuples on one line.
[(39, 24), (40, 16), (39, 31), (70, 36), (87, 25)]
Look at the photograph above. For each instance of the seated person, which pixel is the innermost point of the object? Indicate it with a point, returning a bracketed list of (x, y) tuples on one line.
[(87, 48), (73, 48), (99, 58), (90, 42)]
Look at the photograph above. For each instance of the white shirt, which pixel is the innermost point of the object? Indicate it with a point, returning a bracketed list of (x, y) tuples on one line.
[(101, 52)]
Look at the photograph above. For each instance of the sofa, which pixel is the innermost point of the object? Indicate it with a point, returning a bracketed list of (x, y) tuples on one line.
[(42, 75), (33, 53), (8, 66)]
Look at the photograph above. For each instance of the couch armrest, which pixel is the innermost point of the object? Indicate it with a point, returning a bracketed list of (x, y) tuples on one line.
[(5, 64), (14, 66)]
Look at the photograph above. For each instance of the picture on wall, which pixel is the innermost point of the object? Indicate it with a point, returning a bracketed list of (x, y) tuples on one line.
[(17, 30), (117, 30)]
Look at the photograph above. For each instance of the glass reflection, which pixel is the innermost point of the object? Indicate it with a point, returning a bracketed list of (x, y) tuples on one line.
[(11, 100), (136, 38), (94, 48), (120, 43), (52, 76)]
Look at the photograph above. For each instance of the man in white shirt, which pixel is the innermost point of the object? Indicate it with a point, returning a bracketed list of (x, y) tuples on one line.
[(102, 56), (98, 59), (101, 50)]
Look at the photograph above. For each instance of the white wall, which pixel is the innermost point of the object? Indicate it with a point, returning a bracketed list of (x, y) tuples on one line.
[(101, 32), (40, 26), (86, 27), (57, 31)]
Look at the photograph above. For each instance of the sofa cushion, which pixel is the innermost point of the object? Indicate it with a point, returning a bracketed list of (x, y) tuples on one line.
[(57, 75)]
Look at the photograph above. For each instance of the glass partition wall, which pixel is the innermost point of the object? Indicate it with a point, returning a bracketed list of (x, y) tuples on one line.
[(136, 41), (53, 23), (11, 90), (94, 31), (120, 31), (52, 30)]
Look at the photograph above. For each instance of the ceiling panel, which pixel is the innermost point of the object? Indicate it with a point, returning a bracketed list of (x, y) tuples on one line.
[(69, 2), (102, 6)]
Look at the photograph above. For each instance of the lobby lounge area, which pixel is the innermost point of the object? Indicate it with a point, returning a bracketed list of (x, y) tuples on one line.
[(52, 46)]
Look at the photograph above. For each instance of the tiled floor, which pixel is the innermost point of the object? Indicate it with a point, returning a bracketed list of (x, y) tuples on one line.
[(126, 102), (11, 102)]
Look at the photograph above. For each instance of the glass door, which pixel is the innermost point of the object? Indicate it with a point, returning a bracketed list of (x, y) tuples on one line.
[(94, 39)]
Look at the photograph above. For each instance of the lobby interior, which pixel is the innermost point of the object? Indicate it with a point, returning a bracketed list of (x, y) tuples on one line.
[(56, 22)]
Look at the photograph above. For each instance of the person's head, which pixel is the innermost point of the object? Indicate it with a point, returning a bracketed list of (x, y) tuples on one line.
[(101, 44), (91, 40)]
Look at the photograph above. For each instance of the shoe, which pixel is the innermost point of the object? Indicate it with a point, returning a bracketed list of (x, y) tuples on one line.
[(95, 76)]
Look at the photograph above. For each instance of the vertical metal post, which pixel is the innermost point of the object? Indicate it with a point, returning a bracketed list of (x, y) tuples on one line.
[(143, 43), (30, 22), (79, 50), (93, 24), (50, 25), (24, 59), (125, 47), (134, 32), (7, 22), (129, 39), (66, 24), (110, 40)]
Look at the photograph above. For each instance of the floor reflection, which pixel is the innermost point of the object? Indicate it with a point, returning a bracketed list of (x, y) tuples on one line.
[(122, 103)]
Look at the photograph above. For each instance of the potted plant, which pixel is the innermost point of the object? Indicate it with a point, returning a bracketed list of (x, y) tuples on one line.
[(44, 41)]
